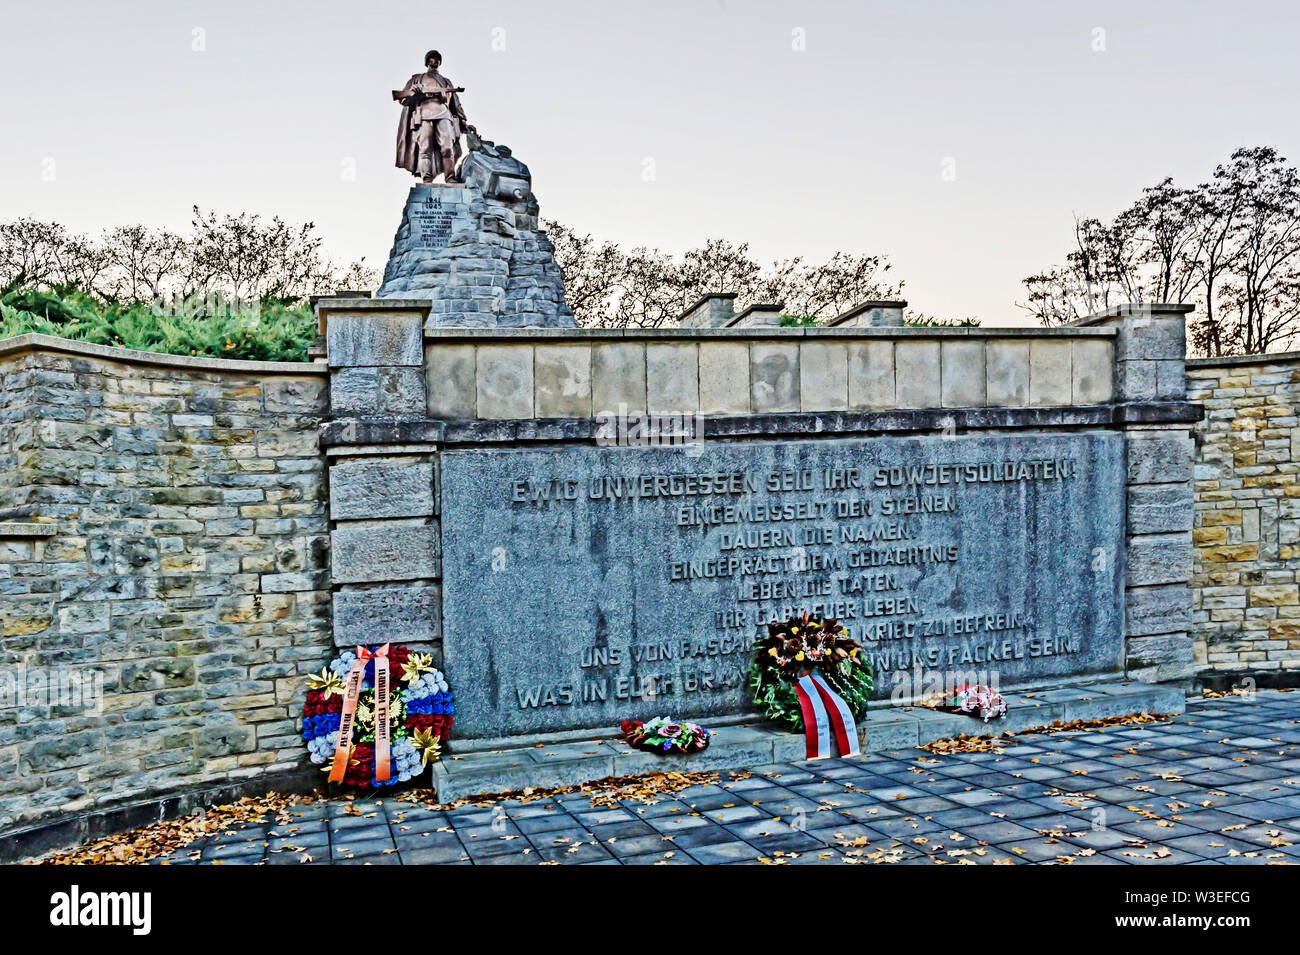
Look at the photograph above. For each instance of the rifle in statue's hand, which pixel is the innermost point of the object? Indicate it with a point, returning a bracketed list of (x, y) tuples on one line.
[(399, 95)]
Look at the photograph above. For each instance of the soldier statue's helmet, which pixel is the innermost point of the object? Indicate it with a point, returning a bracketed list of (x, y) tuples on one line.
[(430, 55)]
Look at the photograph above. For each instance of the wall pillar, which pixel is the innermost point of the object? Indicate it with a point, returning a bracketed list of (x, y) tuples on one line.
[(872, 314), (384, 545), (1150, 354)]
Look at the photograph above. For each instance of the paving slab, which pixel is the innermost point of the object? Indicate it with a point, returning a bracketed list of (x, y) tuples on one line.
[(1049, 807)]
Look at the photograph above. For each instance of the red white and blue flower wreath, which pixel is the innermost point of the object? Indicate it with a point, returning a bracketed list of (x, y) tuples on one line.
[(392, 731)]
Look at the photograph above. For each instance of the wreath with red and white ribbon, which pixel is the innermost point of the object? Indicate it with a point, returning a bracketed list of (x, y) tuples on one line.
[(810, 674)]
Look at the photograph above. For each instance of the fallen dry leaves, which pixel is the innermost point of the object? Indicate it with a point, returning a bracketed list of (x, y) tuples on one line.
[(995, 744), (604, 793), (149, 842)]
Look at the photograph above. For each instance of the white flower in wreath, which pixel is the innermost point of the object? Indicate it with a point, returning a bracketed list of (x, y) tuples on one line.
[(342, 664), (429, 684), (407, 761), (321, 749)]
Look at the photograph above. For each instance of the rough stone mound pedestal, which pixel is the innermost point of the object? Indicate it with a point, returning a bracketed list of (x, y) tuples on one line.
[(474, 248)]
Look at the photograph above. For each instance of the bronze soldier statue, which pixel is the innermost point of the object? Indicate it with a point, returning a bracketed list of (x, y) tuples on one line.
[(428, 137)]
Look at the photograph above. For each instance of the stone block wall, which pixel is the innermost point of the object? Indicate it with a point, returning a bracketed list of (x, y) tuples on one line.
[(1247, 519), (383, 502), (182, 563), (204, 534), (1150, 350), (503, 375)]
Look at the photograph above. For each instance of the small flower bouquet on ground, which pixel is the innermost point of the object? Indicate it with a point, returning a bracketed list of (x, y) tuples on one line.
[(664, 735), (979, 701)]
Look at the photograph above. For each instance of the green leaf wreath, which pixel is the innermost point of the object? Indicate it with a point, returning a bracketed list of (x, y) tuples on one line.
[(797, 646)]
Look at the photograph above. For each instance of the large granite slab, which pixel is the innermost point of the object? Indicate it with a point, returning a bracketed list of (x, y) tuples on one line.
[(402, 613), (368, 488), (583, 586)]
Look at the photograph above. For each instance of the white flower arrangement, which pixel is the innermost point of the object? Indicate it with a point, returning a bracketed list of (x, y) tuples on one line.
[(429, 684), (988, 703), (321, 749)]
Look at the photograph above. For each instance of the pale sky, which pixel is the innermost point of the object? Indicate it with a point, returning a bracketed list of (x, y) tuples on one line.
[(133, 112)]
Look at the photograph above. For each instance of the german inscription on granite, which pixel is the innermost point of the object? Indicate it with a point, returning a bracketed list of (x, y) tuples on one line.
[(584, 586)]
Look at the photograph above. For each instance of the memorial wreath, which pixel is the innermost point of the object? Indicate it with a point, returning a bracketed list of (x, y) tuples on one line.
[(810, 674), (664, 735), (376, 716)]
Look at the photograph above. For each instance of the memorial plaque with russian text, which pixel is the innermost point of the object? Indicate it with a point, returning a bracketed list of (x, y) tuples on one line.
[(585, 586), (433, 220)]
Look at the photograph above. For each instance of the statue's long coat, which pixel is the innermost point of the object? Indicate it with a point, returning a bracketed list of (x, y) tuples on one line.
[(408, 157)]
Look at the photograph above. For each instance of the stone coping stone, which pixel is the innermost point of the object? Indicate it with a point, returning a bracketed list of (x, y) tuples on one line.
[(15, 529), (729, 296), (1229, 361), (868, 306), (1137, 311), (496, 335), (739, 746), (129, 356), (359, 432), (366, 304)]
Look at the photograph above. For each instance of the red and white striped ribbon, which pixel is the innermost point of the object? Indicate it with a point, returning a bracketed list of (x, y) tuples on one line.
[(825, 712)]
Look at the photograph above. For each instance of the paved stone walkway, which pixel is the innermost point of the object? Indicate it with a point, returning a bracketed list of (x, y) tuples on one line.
[(1220, 784)]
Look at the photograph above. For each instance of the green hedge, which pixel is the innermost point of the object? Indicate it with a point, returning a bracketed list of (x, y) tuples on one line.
[(273, 330)]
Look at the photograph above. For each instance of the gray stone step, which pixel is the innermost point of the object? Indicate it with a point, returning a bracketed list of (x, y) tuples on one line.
[(745, 746)]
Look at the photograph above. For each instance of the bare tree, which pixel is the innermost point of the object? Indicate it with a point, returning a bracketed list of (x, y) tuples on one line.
[(1267, 245), (651, 293), (249, 258), (1099, 271), (1230, 246), (354, 276), (1216, 211), (1163, 219), (32, 251), (609, 287), (593, 272), (145, 262), (825, 289), (718, 266)]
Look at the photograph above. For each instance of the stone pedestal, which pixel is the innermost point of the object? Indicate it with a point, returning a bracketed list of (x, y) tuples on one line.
[(475, 250), (1150, 353)]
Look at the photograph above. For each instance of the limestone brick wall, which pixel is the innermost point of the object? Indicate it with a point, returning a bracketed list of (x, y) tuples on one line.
[(164, 563), (1247, 519)]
